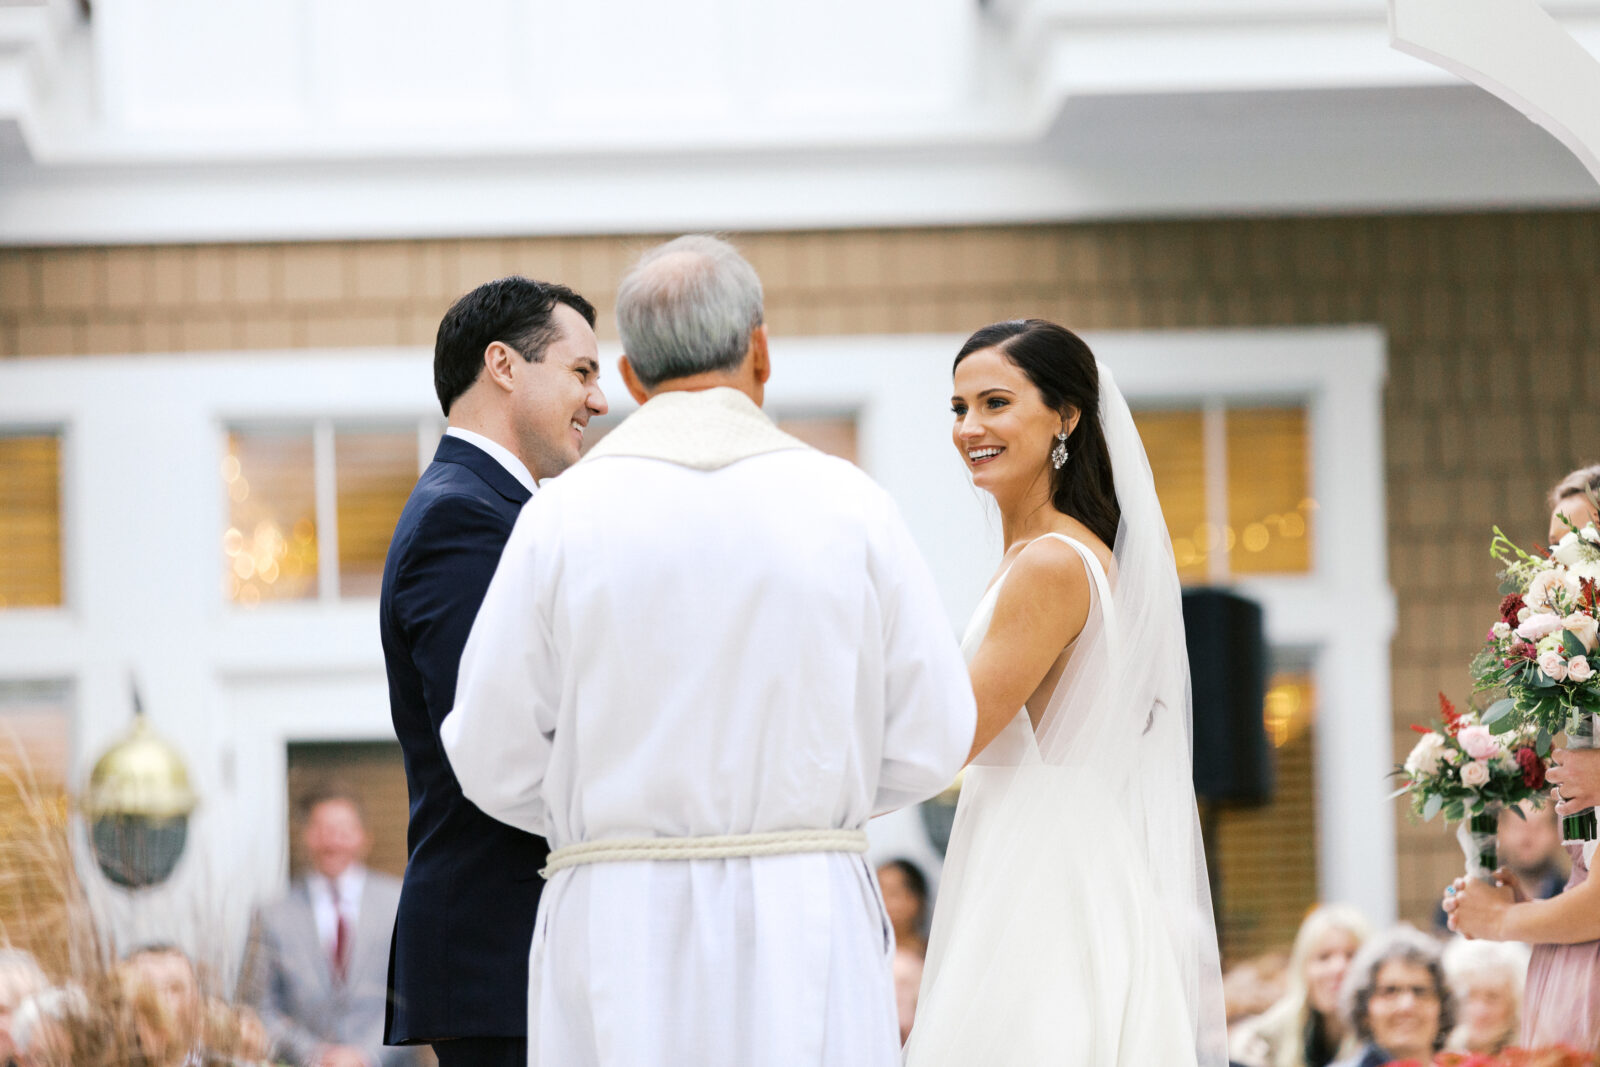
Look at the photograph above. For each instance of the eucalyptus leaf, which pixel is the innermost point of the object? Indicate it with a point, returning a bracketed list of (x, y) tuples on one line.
[(1571, 645)]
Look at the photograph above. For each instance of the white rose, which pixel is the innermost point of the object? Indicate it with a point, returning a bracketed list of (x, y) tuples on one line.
[(1547, 584), (1568, 550), (1554, 665), (1591, 534), (1579, 669), (1524, 614), (1424, 758), (1589, 568), (1583, 627), (1475, 774)]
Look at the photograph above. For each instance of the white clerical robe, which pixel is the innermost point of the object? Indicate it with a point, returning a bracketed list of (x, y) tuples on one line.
[(708, 628)]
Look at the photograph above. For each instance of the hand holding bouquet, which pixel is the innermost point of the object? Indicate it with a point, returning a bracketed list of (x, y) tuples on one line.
[(1541, 651), (1469, 773)]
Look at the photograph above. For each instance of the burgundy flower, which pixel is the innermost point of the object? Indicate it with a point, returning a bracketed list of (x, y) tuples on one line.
[(1532, 768), (1509, 608)]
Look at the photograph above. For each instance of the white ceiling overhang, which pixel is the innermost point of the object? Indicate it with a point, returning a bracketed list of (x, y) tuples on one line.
[(186, 120)]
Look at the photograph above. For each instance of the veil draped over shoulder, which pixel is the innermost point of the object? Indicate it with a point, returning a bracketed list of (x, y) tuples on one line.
[(1075, 913)]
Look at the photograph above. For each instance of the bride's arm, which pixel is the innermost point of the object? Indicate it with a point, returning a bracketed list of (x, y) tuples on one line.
[(1482, 910), (1041, 608)]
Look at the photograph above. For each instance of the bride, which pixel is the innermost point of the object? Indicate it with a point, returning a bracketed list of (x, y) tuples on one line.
[(1074, 922)]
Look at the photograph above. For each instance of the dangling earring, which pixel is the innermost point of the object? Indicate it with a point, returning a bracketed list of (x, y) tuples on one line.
[(1059, 454)]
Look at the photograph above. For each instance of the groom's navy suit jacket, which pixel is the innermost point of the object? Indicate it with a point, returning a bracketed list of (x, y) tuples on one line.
[(458, 966)]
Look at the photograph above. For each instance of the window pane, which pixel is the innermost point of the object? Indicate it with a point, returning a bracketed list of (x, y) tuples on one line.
[(36, 871), (1175, 443), (375, 473), (271, 541), (1268, 490), (833, 434), (1266, 857), (30, 520)]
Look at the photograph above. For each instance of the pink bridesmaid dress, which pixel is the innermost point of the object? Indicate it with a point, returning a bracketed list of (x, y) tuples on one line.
[(1561, 1002)]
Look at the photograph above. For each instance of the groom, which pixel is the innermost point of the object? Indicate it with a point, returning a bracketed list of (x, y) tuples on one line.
[(709, 655), (515, 370)]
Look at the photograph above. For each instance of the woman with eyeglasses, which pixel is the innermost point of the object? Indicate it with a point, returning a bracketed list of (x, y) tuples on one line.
[(1395, 999)]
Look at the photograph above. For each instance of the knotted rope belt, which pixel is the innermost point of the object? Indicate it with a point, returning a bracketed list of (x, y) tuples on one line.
[(726, 846)]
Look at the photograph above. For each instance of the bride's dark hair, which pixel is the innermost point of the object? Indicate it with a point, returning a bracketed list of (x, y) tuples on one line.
[(1063, 369)]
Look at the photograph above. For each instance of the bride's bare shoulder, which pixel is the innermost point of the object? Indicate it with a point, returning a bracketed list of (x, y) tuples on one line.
[(1050, 567)]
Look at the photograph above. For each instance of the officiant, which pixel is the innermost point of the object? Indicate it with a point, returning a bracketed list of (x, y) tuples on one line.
[(709, 655)]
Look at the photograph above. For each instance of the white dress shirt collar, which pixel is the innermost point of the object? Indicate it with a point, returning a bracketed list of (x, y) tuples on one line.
[(501, 454), (332, 898)]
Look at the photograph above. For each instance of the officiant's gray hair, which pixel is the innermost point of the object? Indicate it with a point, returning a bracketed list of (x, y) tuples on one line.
[(688, 307)]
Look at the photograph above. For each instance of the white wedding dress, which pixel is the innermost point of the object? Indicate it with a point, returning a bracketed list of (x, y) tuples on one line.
[(1073, 924)]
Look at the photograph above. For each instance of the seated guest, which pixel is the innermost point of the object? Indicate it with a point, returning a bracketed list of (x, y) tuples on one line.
[(318, 967), (1395, 999), (163, 976), (20, 978), (1304, 1027), (1486, 978), (50, 1026), (905, 898), (1531, 846)]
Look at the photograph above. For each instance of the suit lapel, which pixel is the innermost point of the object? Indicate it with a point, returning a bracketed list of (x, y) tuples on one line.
[(316, 959), (486, 467)]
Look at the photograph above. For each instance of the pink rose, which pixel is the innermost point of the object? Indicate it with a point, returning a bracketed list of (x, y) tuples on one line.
[(1583, 627), (1579, 669), (1554, 666), (1475, 774), (1479, 742), (1539, 626)]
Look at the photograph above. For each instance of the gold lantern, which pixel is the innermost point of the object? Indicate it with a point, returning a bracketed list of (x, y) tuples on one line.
[(138, 806)]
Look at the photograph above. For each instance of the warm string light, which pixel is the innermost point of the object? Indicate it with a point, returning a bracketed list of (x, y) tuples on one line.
[(259, 560), (1208, 538), (1286, 713)]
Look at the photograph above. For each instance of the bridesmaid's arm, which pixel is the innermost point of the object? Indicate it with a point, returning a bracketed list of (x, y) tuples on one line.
[(1479, 909), (1041, 609)]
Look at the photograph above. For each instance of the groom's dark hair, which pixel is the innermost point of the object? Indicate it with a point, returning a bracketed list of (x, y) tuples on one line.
[(516, 311)]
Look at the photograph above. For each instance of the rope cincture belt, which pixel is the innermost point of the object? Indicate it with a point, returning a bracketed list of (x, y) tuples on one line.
[(726, 846)]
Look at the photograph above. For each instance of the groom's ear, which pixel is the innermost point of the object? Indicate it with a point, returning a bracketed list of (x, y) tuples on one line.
[(630, 379), (497, 359)]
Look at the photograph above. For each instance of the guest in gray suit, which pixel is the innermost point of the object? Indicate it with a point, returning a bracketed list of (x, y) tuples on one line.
[(319, 963)]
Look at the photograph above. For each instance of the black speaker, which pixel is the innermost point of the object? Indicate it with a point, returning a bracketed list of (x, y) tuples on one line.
[(1228, 672)]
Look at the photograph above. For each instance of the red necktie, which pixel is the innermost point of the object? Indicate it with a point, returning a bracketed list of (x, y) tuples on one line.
[(341, 948)]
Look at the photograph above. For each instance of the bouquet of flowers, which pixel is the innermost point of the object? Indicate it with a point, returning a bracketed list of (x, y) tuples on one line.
[(1541, 651), (1469, 773)]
